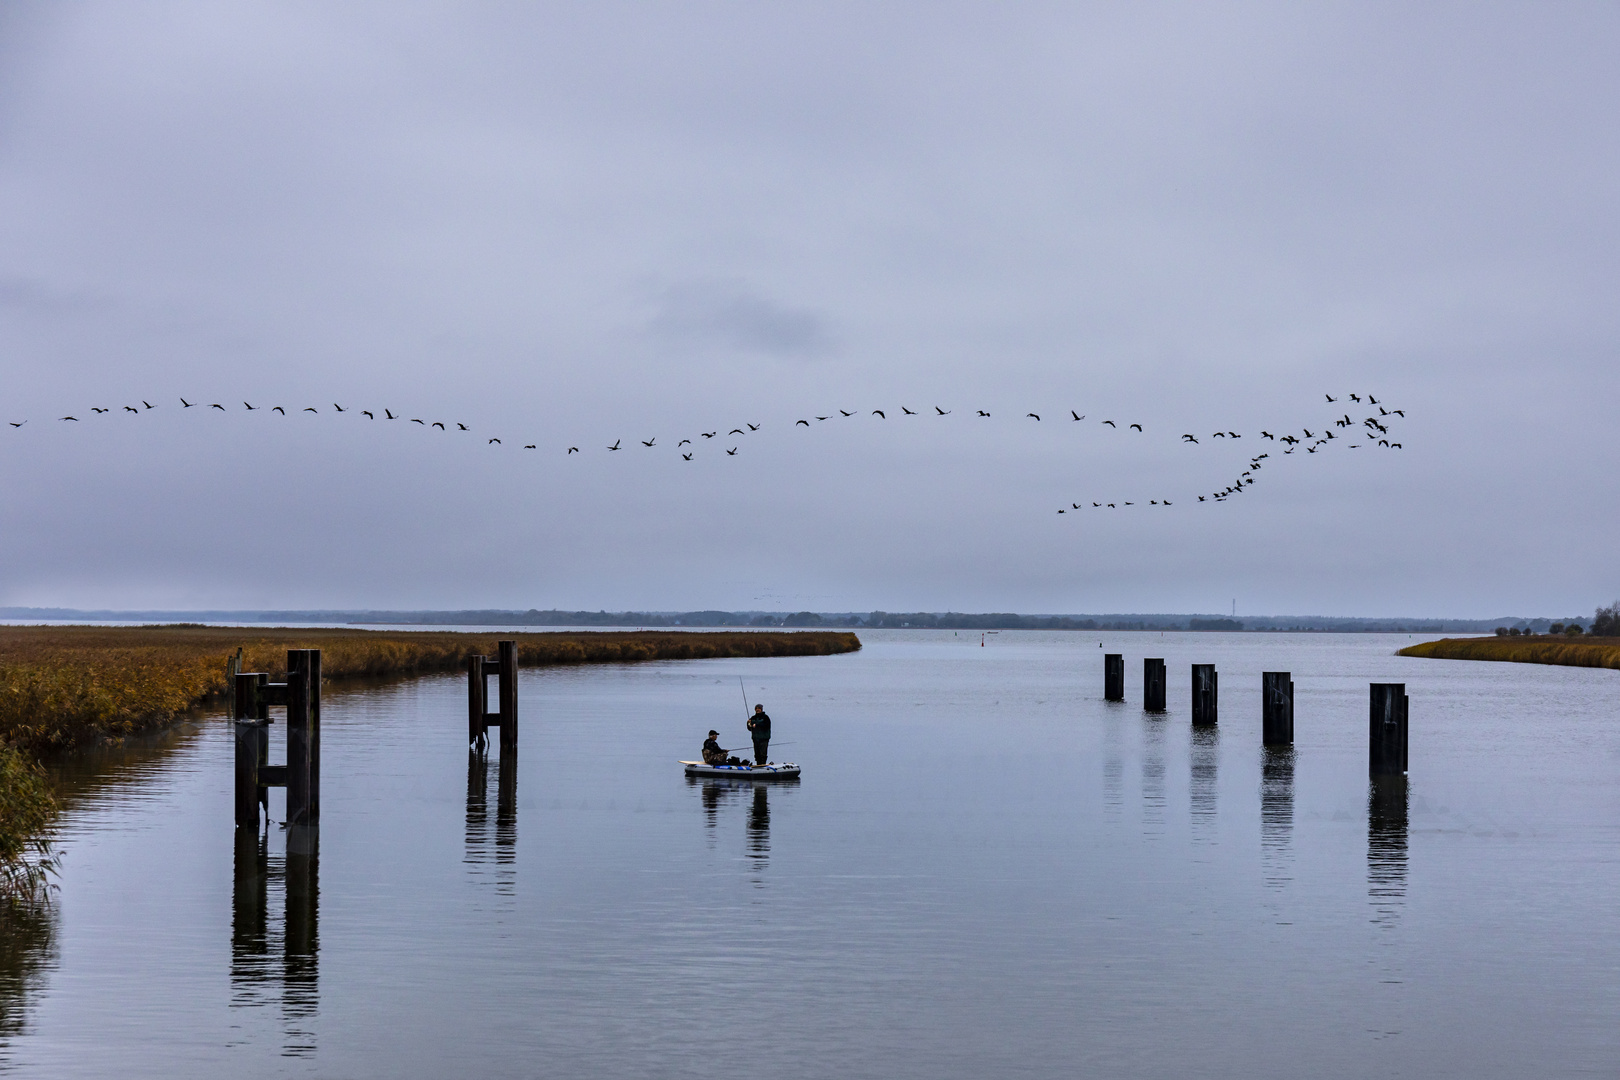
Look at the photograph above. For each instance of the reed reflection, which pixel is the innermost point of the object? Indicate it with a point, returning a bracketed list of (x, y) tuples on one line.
[(271, 967), (1277, 815), (1386, 848), (492, 853), (1203, 761), (28, 951)]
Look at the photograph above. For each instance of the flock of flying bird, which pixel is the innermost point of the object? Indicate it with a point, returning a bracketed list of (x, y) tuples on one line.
[(1376, 429)]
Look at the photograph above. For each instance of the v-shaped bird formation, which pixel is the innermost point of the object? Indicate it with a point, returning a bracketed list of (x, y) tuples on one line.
[(1337, 433)]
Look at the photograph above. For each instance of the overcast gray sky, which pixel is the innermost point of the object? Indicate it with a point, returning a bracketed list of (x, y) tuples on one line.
[(571, 224)]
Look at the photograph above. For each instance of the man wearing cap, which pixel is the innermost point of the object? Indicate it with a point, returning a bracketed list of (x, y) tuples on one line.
[(712, 754), (759, 725)]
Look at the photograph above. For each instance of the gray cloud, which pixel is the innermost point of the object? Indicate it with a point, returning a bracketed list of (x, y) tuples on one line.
[(1196, 216), (730, 316)]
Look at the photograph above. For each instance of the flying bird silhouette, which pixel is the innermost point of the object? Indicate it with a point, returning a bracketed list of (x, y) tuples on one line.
[(983, 413), (414, 420), (462, 426), (686, 457), (439, 425), (682, 443), (755, 427), (1115, 426), (1267, 435), (806, 423), (712, 434), (943, 412), (530, 446), (217, 405), (879, 412), (1076, 415), (311, 408), (133, 409), (1138, 427), (389, 415), (572, 450), (338, 407), (1371, 400), (1032, 414), (822, 418), (96, 410), (148, 404), (846, 413), (364, 412), (186, 404), (15, 423), (1330, 397), (73, 418), (732, 452), (279, 409), (616, 443), (739, 431), (1354, 398), (1188, 438), (649, 442), (907, 411), (496, 441)]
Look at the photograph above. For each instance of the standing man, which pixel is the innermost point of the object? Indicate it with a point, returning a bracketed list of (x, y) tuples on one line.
[(759, 725)]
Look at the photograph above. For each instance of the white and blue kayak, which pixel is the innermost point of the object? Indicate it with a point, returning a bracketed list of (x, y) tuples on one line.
[(776, 770)]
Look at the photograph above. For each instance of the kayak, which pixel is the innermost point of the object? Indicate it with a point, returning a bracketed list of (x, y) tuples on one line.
[(776, 770)]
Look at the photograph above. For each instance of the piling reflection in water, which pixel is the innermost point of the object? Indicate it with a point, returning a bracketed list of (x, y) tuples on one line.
[(1153, 779), (1277, 815), (1386, 848), (1202, 763), (1113, 769), (259, 976), (492, 856)]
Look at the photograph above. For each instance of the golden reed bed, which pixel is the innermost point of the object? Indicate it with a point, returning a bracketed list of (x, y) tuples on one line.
[(1569, 652), (61, 686)]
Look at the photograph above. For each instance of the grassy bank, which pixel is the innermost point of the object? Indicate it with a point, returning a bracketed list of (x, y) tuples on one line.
[(63, 686), (1568, 652)]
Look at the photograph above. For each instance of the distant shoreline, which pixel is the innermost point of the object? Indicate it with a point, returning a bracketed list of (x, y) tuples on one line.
[(1550, 649)]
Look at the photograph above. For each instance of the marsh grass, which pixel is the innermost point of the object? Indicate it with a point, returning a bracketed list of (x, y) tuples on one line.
[(62, 687), (1567, 652)]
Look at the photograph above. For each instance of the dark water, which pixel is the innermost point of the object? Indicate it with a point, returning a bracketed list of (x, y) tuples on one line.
[(986, 871)]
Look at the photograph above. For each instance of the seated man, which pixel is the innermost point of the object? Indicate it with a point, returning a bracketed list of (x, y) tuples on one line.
[(712, 753)]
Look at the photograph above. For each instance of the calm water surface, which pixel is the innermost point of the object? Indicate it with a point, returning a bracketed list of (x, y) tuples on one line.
[(986, 871)]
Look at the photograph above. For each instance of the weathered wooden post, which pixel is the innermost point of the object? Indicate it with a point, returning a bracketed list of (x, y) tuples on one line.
[(1205, 683), (1386, 726), (1114, 677), (1276, 708), (255, 693), (479, 718), (477, 701), (252, 738), (1153, 684), (507, 689), (297, 736)]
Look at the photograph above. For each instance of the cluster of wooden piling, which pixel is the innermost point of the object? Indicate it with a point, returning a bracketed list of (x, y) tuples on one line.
[(1386, 754), (301, 775)]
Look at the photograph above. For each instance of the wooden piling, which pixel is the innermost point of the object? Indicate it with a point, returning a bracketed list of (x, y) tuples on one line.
[(1153, 684), (251, 740), (1276, 708), (1114, 677), (298, 737), (477, 701), (508, 697), (1386, 728), (1205, 694)]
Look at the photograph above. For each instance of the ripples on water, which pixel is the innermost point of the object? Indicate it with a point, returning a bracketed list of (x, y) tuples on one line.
[(986, 871)]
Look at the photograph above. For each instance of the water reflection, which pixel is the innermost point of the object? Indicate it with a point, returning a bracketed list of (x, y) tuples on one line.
[(1386, 848), (1153, 779), (28, 950), (1202, 763), (1276, 815), (492, 855), (1113, 769), (715, 794), (282, 969)]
